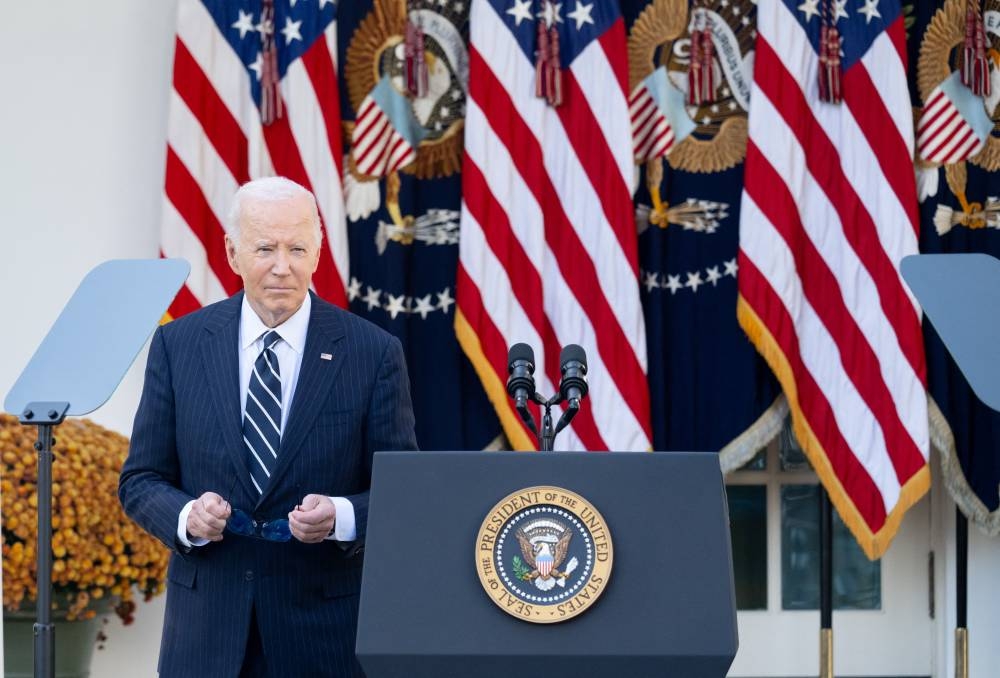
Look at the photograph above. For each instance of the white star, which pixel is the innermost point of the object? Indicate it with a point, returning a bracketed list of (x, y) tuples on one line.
[(736, 11), (870, 10), (745, 21), (651, 282), (551, 10), (292, 2), (810, 8), (442, 3), (520, 11), (706, 120), (354, 289), (673, 283), (694, 279), (731, 267), (713, 275), (265, 27), (372, 298), (445, 300), (457, 93), (291, 29), (324, 3), (581, 15), (395, 305), (459, 7), (424, 306), (257, 65), (840, 9), (244, 23), (444, 111)]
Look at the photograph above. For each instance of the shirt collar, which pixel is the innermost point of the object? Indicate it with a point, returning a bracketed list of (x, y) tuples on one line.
[(293, 331)]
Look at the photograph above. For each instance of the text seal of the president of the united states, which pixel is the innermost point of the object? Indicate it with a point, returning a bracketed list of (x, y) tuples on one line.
[(544, 554)]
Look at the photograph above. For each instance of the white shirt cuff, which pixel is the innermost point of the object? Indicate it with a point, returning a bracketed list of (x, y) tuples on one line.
[(344, 528), (182, 522)]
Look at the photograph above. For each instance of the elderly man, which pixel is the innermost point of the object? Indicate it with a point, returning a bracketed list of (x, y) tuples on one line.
[(251, 456)]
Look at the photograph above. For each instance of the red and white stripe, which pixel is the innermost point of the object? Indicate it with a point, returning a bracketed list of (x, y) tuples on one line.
[(379, 150), (943, 135), (829, 209), (548, 250), (652, 134), (215, 143)]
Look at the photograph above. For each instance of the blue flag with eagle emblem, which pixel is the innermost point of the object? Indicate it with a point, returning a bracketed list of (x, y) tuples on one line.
[(709, 389), (959, 212), (403, 86)]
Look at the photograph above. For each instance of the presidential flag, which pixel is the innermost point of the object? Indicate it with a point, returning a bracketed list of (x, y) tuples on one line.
[(829, 209), (254, 94), (548, 252), (403, 211), (709, 388), (959, 212)]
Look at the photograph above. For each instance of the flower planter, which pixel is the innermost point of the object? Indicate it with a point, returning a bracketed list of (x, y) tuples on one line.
[(74, 641)]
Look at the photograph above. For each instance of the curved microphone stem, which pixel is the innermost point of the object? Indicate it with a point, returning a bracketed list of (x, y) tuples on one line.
[(529, 421), (567, 417)]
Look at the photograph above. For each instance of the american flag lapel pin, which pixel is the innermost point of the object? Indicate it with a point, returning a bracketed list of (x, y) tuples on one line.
[(326, 356)]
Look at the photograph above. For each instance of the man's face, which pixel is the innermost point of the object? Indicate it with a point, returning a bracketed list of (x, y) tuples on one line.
[(276, 255)]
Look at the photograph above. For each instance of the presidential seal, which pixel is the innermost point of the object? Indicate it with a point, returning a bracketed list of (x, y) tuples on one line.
[(660, 38), (544, 554)]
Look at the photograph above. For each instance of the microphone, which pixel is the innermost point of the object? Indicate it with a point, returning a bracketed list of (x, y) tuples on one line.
[(521, 383), (573, 366)]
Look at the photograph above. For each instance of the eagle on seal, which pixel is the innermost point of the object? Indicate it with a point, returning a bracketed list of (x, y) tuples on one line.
[(544, 557)]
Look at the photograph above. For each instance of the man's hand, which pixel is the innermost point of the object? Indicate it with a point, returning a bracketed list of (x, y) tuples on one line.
[(208, 517), (313, 519)]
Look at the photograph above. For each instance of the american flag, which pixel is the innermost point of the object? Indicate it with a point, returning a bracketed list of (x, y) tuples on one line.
[(216, 140), (548, 250), (829, 210)]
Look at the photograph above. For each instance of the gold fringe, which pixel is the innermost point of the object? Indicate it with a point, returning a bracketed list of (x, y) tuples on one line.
[(496, 390), (943, 440), (874, 544)]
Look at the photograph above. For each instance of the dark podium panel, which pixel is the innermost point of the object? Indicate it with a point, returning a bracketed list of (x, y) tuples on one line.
[(668, 610)]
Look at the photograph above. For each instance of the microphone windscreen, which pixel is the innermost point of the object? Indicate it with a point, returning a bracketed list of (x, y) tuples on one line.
[(573, 352), (520, 352)]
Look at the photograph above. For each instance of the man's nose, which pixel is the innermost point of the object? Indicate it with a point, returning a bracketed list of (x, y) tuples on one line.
[(282, 263)]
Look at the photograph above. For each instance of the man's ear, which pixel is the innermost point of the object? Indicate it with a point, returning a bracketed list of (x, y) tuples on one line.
[(231, 254)]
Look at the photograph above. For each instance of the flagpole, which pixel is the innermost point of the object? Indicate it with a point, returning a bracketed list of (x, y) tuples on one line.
[(825, 585), (961, 595)]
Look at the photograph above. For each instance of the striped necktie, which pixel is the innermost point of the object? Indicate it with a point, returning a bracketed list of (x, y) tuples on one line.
[(262, 417)]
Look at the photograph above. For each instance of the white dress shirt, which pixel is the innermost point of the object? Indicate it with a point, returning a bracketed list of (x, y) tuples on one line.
[(289, 351)]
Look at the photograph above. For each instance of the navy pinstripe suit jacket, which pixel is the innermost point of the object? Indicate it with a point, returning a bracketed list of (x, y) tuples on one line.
[(187, 440)]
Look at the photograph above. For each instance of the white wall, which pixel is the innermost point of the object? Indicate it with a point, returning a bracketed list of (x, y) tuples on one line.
[(82, 147), (983, 611)]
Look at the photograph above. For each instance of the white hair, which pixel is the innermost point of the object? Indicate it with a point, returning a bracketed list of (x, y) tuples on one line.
[(268, 189)]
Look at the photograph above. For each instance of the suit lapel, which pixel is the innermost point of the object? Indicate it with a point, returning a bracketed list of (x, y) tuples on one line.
[(316, 379), (220, 361)]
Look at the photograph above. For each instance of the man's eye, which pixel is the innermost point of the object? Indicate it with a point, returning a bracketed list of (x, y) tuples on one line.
[(263, 249)]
